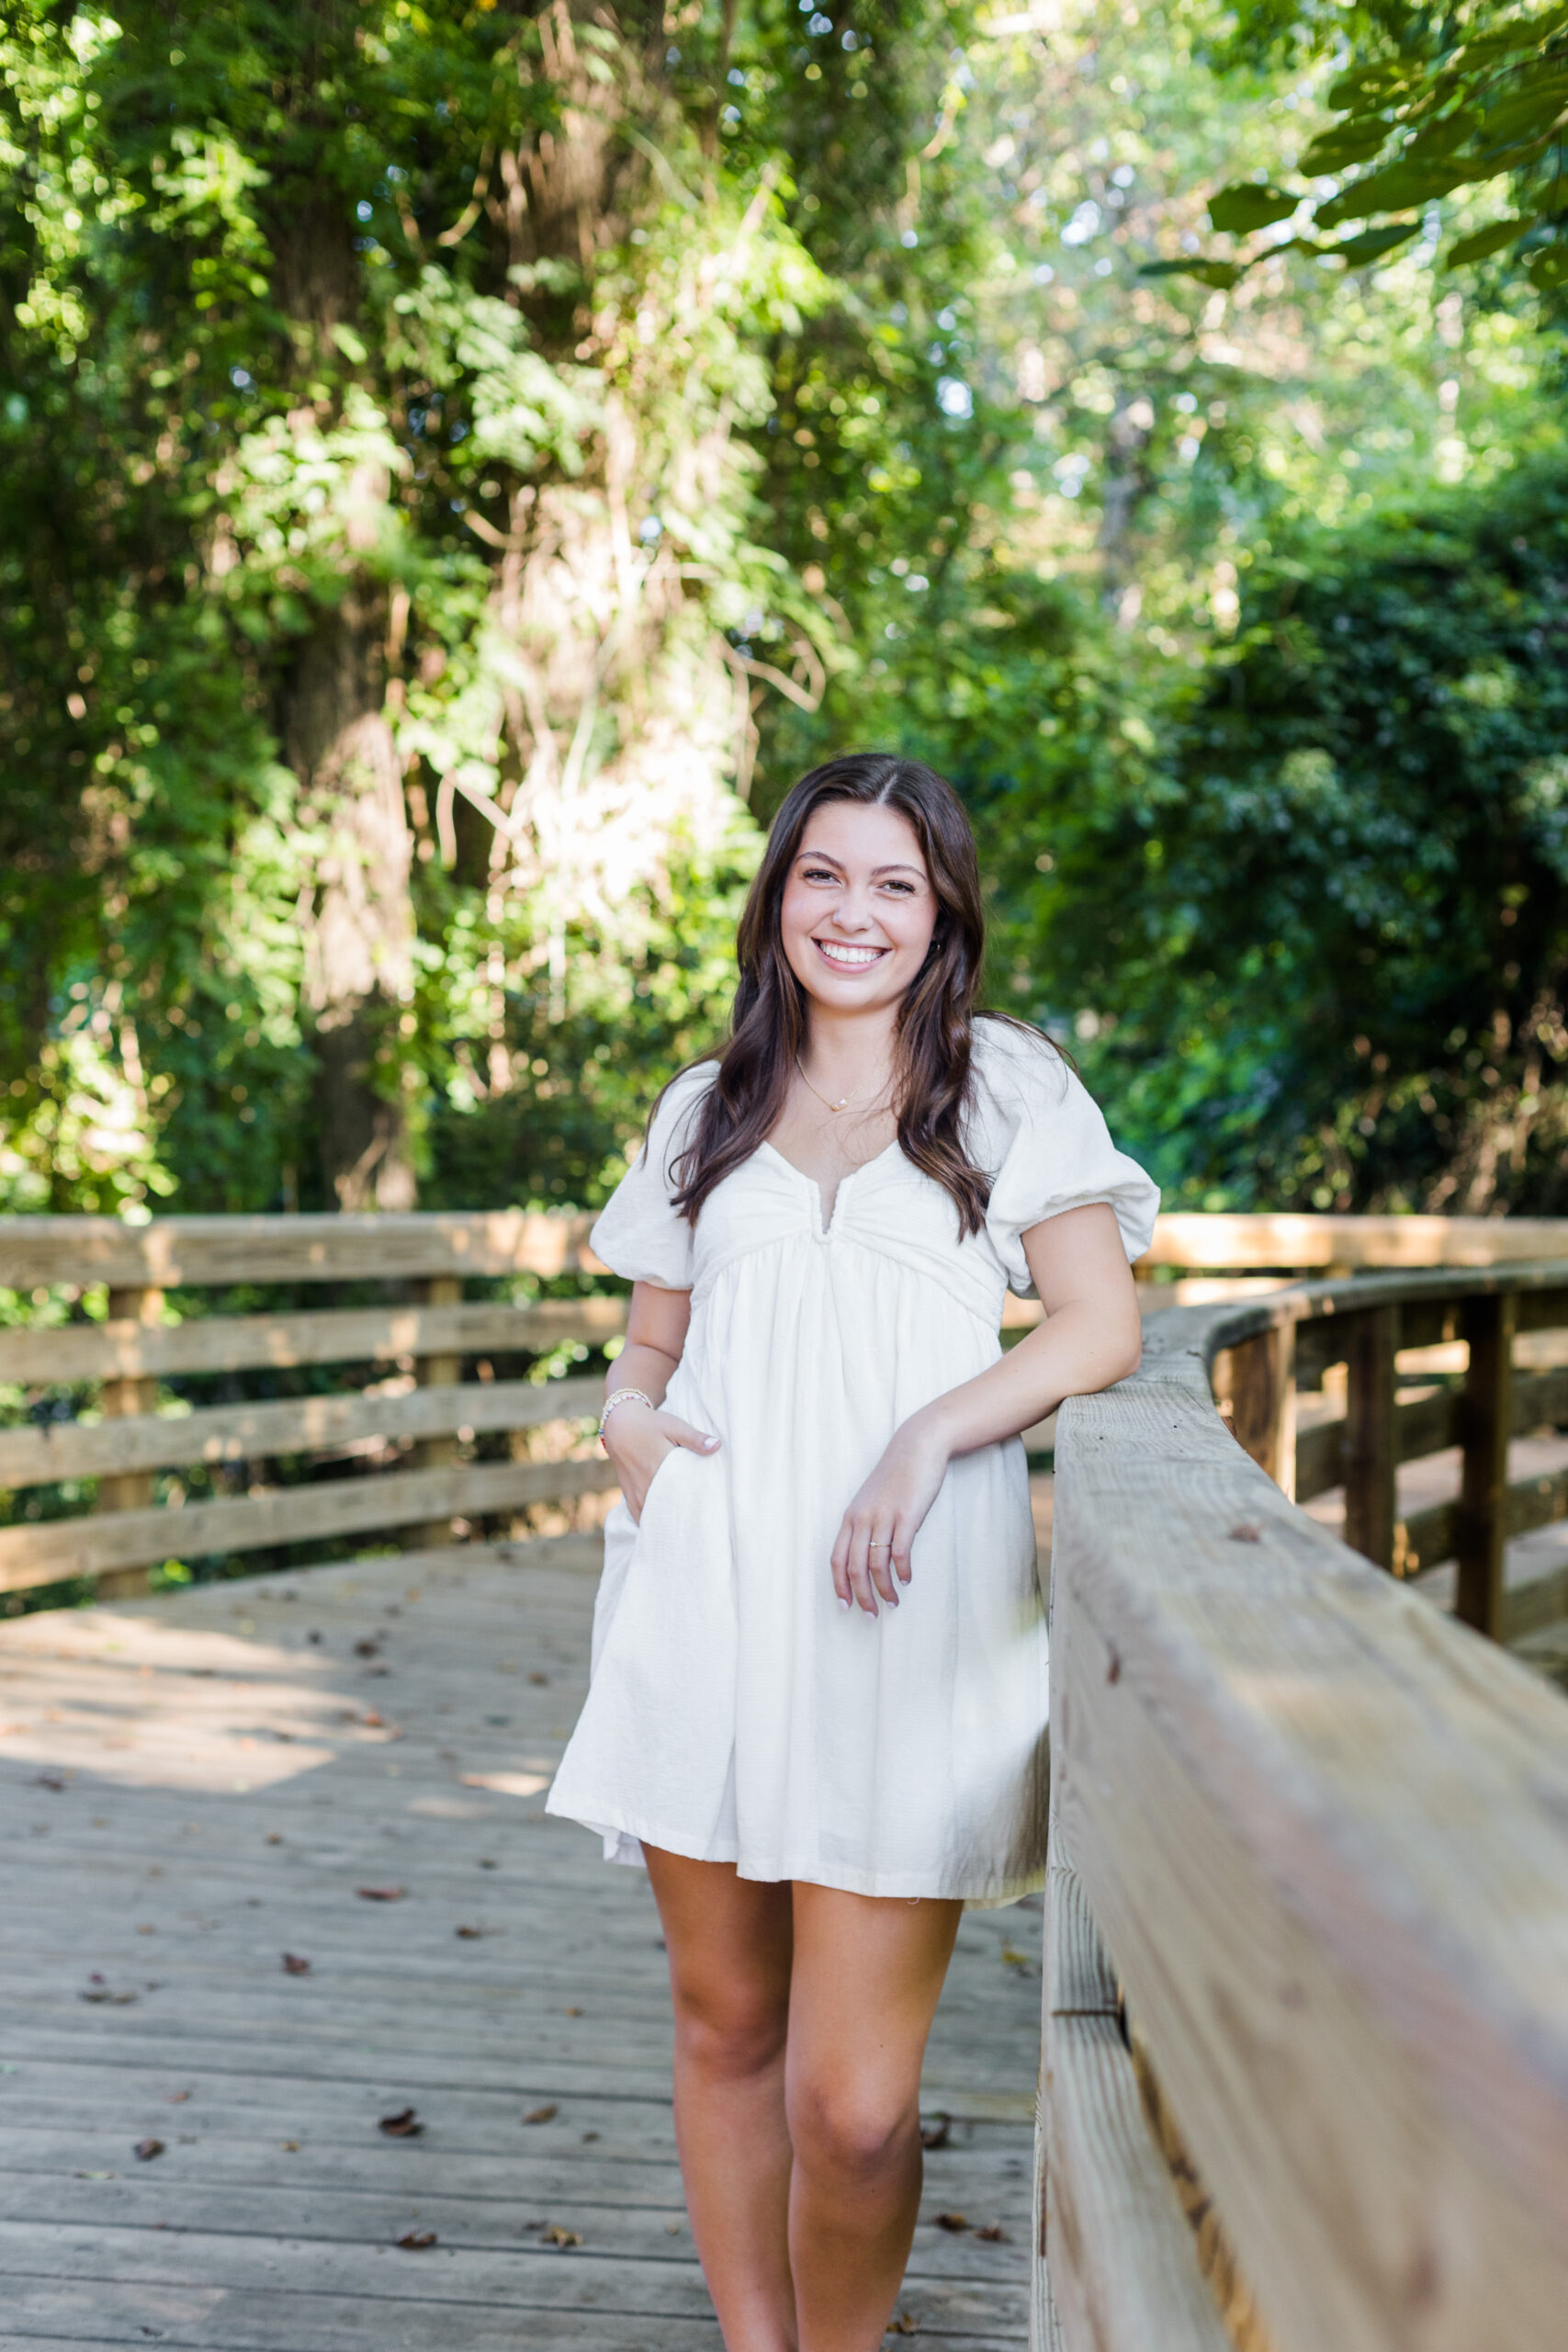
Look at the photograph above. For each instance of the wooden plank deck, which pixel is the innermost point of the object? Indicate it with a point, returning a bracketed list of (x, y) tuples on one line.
[(192, 1786)]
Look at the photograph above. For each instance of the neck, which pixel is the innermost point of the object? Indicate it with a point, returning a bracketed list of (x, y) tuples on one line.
[(852, 1048)]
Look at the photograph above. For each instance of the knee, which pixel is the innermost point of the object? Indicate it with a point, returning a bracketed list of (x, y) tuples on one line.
[(854, 2130), (730, 2031)]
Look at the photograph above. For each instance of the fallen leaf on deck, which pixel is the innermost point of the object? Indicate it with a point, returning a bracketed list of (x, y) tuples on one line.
[(145, 2149), (540, 1678), (366, 1649), (417, 2241), (953, 2222), (177, 2099), (1011, 1958), (542, 2114), (937, 2133), (381, 1893), (289, 2147), (404, 2125), (993, 2234), (468, 1934), (48, 1781), (273, 1837), (296, 1964), (557, 2235), (902, 2324), (1246, 1533), (571, 2013), (370, 1718)]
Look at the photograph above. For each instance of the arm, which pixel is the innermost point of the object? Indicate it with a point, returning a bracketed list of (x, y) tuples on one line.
[(637, 1437), (1090, 1338)]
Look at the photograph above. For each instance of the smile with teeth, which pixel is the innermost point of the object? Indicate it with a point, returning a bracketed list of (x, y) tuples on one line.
[(849, 958)]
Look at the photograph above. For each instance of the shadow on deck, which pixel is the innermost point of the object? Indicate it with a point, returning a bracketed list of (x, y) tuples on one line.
[(195, 1786)]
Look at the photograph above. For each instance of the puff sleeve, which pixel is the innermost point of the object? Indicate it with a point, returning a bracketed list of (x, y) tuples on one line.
[(1045, 1141), (639, 1234)]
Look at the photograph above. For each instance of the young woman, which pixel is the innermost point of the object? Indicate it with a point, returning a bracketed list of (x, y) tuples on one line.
[(817, 1704)]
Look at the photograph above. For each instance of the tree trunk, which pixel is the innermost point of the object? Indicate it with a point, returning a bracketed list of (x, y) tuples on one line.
[(358, 962), (337, 739)]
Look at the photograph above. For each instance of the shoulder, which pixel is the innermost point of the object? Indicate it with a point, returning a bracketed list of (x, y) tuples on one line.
[(1017, 1069), (669, 1121)]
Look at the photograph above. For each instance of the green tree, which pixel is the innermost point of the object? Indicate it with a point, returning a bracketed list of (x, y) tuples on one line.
[(1322, 953)]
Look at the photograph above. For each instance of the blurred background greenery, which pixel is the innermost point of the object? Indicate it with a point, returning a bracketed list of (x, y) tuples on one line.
[(459, 462)]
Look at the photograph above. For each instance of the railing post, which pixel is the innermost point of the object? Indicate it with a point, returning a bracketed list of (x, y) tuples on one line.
[(1371, 1454), (122, 1400), (435, 1371), (1263, 1399), (1486, 1417)]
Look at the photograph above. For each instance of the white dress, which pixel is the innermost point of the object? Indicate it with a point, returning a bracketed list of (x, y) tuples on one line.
[(736, 1712)]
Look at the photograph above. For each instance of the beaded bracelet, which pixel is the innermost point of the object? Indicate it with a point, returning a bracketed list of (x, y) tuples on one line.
[(623, 1397)]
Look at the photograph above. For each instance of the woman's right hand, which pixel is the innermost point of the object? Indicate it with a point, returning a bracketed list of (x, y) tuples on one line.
[(637, 1439)]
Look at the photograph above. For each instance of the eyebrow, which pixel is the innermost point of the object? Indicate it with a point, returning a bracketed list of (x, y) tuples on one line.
[(827, 858)]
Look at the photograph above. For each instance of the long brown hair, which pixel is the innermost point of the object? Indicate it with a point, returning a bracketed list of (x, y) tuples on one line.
[(933, 1031)]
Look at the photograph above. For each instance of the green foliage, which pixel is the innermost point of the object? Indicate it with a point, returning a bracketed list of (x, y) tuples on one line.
[(1435, 104), (866, 395), (1321, 953)]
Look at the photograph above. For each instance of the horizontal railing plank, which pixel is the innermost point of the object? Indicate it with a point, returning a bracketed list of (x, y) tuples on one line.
[(122, 1351), (1528, 1606), (1429, 1537), (1325, 1833), (227, 1433), (1427, 1425), (52, 1550), (1220, 1244), (1122, 2259), (172, 1251)]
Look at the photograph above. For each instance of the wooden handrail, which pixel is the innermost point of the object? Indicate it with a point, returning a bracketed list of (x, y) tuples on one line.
[(1317, 1834), (398, 1443), (172, 1253)]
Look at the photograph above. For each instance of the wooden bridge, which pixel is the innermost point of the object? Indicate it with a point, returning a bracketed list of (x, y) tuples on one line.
[(316, 2031)]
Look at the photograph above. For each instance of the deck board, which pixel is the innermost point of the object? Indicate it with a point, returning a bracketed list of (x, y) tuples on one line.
[(192, 1785)]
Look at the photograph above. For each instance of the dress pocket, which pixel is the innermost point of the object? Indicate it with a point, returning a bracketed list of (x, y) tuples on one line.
[(656, 1480)]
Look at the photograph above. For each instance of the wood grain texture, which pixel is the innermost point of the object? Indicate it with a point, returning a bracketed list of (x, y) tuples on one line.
[(1325, 1833), (1303, 1244), (227, 1433), (125, 1351), (1119, 2269), (1486, 1423), (49, 1550), (1371, 1457), (268, 2225), (1261, 1388), (172, 1253)]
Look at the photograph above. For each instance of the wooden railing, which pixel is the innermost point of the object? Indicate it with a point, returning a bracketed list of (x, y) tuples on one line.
[(408, 1440), (437, 1345), (1305, 2017)]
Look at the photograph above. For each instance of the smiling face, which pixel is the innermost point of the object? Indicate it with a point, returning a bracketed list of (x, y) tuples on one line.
[(859, 909)]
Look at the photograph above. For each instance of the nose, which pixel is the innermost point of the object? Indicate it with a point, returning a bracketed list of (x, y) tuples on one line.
[(853, 911)]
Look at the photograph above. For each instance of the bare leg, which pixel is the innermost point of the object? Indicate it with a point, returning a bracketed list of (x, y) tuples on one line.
[(729, 1942), (866, 1978)]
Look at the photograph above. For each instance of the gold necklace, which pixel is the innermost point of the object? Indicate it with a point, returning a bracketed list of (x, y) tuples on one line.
[(844, 1103)]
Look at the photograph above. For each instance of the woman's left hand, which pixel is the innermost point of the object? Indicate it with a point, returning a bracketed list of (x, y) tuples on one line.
[(871, 1553)]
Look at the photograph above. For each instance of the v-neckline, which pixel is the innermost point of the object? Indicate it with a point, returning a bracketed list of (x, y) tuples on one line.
[(825, 1224)]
